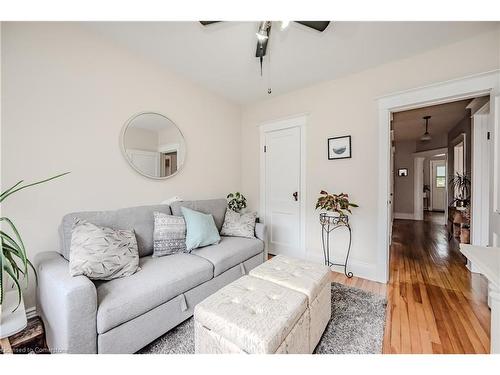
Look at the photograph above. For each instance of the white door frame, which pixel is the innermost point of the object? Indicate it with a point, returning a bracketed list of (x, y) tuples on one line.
[(487, 83), (417, 191), (481, 167), (280, 124)]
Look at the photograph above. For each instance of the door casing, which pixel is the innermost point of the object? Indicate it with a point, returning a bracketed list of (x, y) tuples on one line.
[(487, 83)]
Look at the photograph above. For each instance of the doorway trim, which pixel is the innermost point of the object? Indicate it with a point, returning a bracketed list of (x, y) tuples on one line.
[(481, 172), (487, 83), (299, 121), (427, 154)]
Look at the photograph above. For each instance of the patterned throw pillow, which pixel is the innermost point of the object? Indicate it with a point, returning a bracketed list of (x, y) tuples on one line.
[(239, 225), (102, 253), (169, 236)]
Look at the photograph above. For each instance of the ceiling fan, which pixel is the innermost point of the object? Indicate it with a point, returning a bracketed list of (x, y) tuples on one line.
[(264, 30)]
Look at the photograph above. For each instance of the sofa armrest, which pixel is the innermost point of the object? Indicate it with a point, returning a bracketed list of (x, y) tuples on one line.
[(67, 305), (260, 231)]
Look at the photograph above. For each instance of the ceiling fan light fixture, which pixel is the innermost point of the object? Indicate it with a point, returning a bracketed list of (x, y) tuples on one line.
[(426, 137), (261, 36), (284, 24), (263, 31)]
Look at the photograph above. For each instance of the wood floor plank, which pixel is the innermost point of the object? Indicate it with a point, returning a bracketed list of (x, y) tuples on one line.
[(434, 304)]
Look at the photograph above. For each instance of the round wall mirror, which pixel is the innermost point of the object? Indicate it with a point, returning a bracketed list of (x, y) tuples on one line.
[(153, 145)]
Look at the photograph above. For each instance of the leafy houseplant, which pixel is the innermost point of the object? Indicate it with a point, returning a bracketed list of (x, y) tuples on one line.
[(14, 261), (237, 201), (461, 184), (338, 203)]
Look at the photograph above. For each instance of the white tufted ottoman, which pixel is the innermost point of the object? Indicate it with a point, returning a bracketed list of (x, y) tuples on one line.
[(311, 279), (252, 315)]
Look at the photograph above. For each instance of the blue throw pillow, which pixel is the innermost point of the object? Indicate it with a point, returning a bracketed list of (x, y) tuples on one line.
[(200, 229)]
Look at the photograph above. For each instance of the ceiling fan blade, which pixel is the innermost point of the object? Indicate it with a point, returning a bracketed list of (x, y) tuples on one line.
[(206, 23), (316, 25)]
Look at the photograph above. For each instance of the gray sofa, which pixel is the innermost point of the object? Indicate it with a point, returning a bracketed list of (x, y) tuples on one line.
[(124, 315)]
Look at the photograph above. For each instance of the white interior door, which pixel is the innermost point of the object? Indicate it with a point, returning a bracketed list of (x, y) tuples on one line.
[(438, 185), (148, 162), (282, 163)]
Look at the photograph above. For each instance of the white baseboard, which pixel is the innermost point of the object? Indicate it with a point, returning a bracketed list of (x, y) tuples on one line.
[(31, 312), (359, 269), (404, 216)]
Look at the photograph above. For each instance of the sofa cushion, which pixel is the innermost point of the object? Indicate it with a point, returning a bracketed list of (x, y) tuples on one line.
[(214, 207), (229, 252), (200, 229), (140, 219), (158, 281), (102, 253), (239, 225), (169, 236)]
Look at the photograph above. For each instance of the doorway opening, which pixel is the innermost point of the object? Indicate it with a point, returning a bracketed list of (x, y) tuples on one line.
[(433, 150)]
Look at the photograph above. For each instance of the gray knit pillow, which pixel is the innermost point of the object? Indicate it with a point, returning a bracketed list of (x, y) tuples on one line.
[(102, 253), (169, 236)]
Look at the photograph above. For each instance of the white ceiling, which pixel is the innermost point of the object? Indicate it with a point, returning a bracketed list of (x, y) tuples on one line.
[(409, 125), (221, 57)]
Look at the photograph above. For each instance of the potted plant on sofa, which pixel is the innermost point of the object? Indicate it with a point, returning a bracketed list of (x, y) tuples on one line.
[(14, 266)]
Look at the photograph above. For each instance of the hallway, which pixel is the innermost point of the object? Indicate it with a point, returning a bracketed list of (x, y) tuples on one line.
[(435, 305)]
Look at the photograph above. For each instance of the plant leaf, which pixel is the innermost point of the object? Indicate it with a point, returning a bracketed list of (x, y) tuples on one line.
[(11, 191), (11, 188)]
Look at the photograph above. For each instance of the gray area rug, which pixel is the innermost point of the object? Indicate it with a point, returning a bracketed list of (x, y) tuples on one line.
[(356, 327)]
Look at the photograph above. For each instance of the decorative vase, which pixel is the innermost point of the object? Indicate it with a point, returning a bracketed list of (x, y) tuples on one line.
[(13, 318)]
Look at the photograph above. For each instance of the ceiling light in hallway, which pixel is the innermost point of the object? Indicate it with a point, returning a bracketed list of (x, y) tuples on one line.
[(426, 136)]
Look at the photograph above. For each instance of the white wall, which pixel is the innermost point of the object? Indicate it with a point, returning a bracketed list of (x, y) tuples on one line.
[(66, 94), (349, 106)]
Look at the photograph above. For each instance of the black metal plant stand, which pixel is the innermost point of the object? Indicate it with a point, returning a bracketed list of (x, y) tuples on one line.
[(328, 224)]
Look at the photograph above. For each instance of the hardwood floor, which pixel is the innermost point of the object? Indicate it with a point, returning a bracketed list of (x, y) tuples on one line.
[(435, 305)]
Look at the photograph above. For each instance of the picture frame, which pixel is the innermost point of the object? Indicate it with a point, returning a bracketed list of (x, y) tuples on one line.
[(402, 172), (339, 147)]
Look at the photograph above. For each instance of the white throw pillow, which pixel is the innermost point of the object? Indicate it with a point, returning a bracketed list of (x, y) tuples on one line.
[(102, 253), (239, 225)]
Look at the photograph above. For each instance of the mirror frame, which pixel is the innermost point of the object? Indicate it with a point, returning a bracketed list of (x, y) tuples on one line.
[(124, 151)]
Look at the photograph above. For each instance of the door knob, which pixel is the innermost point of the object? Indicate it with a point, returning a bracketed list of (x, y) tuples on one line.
[(296, 196)]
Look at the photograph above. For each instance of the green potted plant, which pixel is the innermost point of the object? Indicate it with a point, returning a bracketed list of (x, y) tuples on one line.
[(338, 204), (14, 262), (461, 185), (236, 201)]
